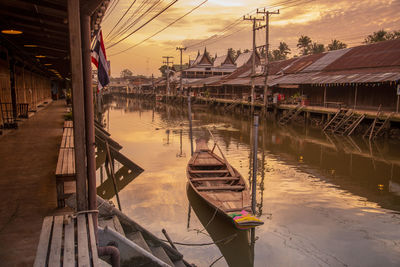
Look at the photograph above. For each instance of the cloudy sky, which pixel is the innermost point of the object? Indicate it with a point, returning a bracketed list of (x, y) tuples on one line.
[(217, 24)]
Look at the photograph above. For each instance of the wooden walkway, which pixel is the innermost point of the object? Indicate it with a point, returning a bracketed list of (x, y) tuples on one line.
[(27, 185)]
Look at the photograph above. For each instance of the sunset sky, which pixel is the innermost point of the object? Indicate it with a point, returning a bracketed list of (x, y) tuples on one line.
[(349, 21)]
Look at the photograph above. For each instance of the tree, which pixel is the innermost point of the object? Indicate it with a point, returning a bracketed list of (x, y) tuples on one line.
[(336, 45), (238, 53), (317, 48), (126, 73), (304, 44), (284, 50), (280, 53), (163, 70), (380, 36), (246, 50)]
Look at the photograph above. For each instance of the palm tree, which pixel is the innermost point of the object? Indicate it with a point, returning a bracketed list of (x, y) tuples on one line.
[(336, 45), (304, 43), (317, 48), (378, 36), (284, 49), (381, 35)]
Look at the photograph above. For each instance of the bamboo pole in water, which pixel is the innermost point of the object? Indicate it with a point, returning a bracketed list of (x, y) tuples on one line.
[(254, 182), (190, 123)]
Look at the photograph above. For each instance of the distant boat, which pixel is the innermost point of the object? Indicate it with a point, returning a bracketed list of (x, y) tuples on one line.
[(221, 186)]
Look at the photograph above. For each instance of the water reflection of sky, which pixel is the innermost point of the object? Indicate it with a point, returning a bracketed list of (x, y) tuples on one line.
[(318, 211)]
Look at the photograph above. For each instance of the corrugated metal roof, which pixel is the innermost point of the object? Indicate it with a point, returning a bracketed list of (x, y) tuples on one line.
[(327, 59), (205, 81), (278, 66), (338, 77), (382, 54), (301, 63)]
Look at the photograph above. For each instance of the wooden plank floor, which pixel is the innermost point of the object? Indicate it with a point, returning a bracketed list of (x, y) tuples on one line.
[(27, 185)]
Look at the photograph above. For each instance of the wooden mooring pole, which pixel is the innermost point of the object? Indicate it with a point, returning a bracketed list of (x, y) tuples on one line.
[(190, 123), (254, 180)]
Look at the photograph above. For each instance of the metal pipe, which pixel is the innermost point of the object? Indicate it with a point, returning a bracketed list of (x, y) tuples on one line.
[(110, 251), (254, 183), (89, 116)]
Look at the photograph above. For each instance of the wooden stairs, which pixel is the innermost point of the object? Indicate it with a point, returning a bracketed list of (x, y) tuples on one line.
[(377, 127), (232, 106), (290, 115), (348, 124), (335, 121)]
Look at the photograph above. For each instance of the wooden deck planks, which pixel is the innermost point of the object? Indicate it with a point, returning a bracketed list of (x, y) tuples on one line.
[(69, 244), (92, 241), (43, 246), (83, 248), (56, 242)]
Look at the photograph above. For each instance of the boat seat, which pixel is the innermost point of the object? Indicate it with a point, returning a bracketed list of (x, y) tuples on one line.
[(211, 188), (214, 179), (208, 171)]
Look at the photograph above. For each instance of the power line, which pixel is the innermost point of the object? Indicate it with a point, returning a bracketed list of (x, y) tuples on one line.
[(123, 29), (147, 22), (170, 24), (237, 22), (121, 18), (111, 9)]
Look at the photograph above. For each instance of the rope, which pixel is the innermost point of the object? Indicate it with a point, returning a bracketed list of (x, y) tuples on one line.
[(225, 240), (216, 261)]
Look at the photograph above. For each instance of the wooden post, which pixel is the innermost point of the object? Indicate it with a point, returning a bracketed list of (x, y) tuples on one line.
[(254, 183), (89, 116), (77, 102), (190, 123), (253, 66), (398, 98), (325, 96), (355, 96)]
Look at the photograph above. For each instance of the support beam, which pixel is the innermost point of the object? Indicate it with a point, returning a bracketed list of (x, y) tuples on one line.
[(89, 116), (77, 102), (355, 96)]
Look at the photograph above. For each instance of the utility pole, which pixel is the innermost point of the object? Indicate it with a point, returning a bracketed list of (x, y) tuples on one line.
[(167, 62), (181, 49), (253, 65), (266, 67)]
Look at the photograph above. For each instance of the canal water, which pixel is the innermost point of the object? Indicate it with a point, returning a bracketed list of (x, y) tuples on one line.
[(325, 200)]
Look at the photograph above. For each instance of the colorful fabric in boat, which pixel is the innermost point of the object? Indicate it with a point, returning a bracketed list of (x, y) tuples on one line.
[(245, 220)]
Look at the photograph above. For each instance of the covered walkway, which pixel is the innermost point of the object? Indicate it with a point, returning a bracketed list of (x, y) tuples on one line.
[(28, 158)]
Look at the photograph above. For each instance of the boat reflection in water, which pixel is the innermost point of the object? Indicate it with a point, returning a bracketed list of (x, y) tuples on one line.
[(236, 245)]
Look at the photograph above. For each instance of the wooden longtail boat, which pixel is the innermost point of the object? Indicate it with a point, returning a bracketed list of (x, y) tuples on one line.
[(220, 185)]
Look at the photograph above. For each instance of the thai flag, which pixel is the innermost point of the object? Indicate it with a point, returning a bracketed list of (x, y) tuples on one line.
[(99, 59)]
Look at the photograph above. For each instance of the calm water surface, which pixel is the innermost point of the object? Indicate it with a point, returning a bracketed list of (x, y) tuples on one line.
[(325, 200)]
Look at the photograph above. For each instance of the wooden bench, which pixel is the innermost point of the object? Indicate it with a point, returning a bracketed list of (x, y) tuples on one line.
[(68, 124), (65, 170), (58, 245)]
